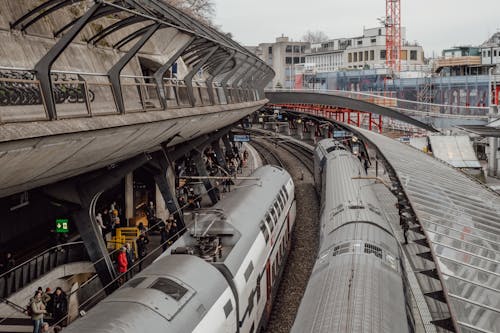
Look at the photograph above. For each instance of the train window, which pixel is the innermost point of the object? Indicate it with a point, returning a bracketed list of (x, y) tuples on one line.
[(280, 200), (286, 192), (342, 248), (135, 282), (258, 287), (249, 271), (370, 248), (228, 308), (277, 208), (169, 287), (250, 302), (270, 222), (263, 228), (275, 215)]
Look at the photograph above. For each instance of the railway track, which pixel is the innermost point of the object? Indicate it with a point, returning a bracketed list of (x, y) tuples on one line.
[(297, 160)]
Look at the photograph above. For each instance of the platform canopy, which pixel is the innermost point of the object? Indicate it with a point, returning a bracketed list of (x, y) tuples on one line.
[(461, 219)]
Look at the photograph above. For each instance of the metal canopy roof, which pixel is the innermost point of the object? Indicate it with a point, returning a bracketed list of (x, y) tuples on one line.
[(462, 220), (482, 130), (455, 150)]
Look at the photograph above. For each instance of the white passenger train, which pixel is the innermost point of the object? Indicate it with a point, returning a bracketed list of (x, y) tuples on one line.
[(356, 283), (220, 276)]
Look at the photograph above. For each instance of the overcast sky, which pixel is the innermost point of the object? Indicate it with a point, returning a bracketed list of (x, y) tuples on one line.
[(435, 24)]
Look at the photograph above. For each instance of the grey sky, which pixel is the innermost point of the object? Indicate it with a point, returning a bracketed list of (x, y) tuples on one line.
[(435, 24)]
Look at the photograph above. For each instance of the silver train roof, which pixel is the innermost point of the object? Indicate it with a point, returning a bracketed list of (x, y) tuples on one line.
[(248, 202), (172, 295), (462, 220)]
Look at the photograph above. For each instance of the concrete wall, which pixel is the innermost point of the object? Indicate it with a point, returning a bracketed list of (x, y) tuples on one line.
[(39, 153)]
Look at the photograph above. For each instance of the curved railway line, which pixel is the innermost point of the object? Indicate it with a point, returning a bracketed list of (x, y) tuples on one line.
[(297, 160)]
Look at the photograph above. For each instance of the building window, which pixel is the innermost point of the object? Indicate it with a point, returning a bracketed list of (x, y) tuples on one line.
[(303, 49), (296, 48), (380, 32), (296, 60), (360, 56), (288, 48), (413, 55), (382, 54), (404, 54), (489, 53), (302, 59), (288, 60), (349, 57), (372, 55), (366, 55), (373, 40), (270, 50), (355, 57)]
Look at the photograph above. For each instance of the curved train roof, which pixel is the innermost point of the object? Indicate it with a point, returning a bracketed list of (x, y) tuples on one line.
[(162, 298), (247, 202)]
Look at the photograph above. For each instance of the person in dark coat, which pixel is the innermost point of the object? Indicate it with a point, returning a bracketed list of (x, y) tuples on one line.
[(59, 306), (142, 249)]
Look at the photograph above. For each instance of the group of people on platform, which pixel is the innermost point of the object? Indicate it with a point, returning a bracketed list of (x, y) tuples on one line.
[(46, 304)]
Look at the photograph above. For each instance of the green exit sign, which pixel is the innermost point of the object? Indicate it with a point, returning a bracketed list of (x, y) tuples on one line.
[(62, 225)]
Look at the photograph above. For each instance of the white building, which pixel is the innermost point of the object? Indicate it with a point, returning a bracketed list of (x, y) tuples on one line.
[(490, 51), (282, 56), (365, 52)]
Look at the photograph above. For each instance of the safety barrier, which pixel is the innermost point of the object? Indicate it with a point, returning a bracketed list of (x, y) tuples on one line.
[(32, 269), (78, 94)]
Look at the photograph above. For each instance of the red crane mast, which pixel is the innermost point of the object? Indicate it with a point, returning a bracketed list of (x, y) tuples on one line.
[(393, 34)]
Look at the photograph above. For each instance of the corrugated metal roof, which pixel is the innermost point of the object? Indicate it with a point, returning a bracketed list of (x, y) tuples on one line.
[(462, 220), (455, 150), (481, 130)]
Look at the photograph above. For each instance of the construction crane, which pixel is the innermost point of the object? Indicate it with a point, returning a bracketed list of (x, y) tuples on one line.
[(393, 34)]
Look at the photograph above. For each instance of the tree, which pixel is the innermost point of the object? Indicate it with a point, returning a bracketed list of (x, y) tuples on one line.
[(314, 36), (200, 9)]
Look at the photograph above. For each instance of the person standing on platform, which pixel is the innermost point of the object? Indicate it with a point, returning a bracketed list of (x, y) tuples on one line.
[(59, 306), (122, 264), (142, 249), (406, 227), (130, 255), (37, 312)]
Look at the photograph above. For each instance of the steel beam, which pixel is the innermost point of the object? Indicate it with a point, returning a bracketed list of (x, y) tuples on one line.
[(188, 79), (202, 171), (44, 65), (115, 71), (160, 72), (217, 71)]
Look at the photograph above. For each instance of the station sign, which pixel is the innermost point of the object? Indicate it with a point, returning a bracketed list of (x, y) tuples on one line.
[(241, 138), (404, 139), (62, 226), (341, 134)]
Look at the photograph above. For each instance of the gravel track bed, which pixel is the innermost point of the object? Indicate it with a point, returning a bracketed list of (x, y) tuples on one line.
[(304, 245)]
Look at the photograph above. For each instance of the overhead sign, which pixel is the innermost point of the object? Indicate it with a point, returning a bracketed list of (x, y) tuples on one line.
[(341, 134), (62, 225), (241, 138)]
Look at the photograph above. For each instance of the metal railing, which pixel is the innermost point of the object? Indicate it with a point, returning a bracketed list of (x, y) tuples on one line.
[(32, 269), (83, 94), (408, 107)]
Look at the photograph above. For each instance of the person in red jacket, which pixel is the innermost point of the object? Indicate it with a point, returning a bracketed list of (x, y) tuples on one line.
[(122, 264)]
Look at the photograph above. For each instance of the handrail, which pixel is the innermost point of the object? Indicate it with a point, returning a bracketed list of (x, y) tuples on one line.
[(17, 307), (40, 255)]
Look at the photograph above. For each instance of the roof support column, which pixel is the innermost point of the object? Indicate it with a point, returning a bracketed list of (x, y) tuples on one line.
[(89, 193), (188, 79), (44, 65), (224, 81), (216, 72), (115, 71), (165, 180), (202, 171), (160, 73)]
